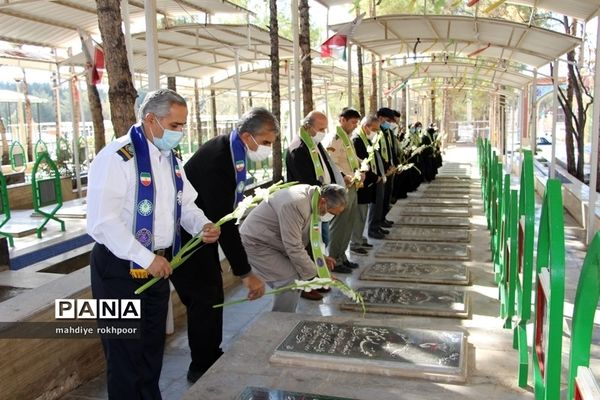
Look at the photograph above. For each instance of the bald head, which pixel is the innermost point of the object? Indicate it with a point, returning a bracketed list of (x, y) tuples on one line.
[(314, 122)]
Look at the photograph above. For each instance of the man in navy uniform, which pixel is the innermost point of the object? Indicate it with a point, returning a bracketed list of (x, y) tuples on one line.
[(138, 197)]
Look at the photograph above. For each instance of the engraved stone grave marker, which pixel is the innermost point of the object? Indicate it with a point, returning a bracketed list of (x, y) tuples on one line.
[(423, 272), (424, 251), (429, 234), (445, 195), (437, 202), (436, 211), (432, 221), (421, 353), (259, 393), (412, 301)]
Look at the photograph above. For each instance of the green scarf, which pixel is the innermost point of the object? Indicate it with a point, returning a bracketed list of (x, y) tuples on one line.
[(350, 152), (314, 155), (363, 136), (315, 236)]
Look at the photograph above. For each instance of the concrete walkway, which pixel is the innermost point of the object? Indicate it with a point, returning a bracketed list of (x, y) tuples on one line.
[(251, 333)]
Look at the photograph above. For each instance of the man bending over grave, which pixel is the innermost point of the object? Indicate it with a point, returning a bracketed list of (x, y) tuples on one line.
[(278, 233)]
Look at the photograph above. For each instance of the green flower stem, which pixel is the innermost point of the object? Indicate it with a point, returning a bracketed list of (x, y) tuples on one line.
[(186, 251), (274, 291)]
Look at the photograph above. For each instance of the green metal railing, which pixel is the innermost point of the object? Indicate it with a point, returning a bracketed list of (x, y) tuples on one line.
[(46, 191)]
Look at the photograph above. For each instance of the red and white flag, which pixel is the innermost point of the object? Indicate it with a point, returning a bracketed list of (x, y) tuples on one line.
[(335, 47)]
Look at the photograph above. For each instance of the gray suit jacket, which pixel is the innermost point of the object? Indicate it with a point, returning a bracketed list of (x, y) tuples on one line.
[(275, 235)]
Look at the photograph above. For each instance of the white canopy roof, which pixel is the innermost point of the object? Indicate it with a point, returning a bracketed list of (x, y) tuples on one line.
[(394, 35), (55, 23)]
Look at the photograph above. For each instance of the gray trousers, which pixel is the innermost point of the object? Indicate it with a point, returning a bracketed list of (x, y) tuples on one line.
[(358, 227), (340, 229), (285, 301)]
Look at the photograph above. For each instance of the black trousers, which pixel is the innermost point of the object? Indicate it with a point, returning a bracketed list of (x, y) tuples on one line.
[(132, 365), (387, 197), (376, 209), (199, 284)]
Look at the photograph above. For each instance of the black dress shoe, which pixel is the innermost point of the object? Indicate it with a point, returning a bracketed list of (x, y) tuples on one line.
[(376, 235), (366, 245), (387, 224), (194, 374), (341, 269), (358, 250), (384, 231), (350, 264), (312, 295)]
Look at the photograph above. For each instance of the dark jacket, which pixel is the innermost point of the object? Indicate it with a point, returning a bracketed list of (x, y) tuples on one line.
[(366, 194), (299, 165), (212, 174)]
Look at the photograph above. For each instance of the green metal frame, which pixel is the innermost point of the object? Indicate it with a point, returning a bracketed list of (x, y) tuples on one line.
[(549, 295), (508, 269), (37, 195), (5, 209), (40, 147), (525, 234), (501, 227), (586, 301), (13, 164), (82, 145)]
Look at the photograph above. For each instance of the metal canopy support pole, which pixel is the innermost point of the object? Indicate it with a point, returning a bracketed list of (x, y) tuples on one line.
[(151, 44), (593, 195), (349, 55), (407, 105), (533, 111), (554, 112), (327, 102), (291, 125), (237, 84), (127, 26), (296, 57), (75, 147)]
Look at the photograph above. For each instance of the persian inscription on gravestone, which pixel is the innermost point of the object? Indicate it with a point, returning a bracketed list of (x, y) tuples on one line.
[(436, 202), (413, 301), (259, 393), (375, 349), (429, 234), (451, 190), (444, 195), (432, 221), (442, 273), (423, 250), (436, 211)]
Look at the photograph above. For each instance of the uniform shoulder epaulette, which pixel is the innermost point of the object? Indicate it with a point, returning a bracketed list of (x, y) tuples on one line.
[(126, 152)]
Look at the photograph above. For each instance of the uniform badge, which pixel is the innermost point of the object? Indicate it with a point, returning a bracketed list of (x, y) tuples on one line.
[(145, 207), (177, 171), (179, 197), (240, 187), (239, 165), (144, 236), (145, 178)]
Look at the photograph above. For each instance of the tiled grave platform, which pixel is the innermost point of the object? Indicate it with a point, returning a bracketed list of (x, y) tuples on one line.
[(424, 251), (437, 202), (435, 211), (429, 234), (423, 221), (422, 272)]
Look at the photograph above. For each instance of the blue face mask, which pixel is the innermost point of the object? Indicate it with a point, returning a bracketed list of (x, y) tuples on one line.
[(169, 140), (385, 125)]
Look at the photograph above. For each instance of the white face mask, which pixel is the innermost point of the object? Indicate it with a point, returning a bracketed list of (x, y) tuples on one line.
[(327, 217), (319, 137), (393, 126), (261, 153), (372, 136)]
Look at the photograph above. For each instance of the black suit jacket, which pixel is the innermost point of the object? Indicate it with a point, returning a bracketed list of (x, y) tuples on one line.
[(366, 194), (299, 165), (211, 173)]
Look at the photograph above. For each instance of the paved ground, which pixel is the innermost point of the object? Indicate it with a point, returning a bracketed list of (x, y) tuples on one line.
[(492, 361)]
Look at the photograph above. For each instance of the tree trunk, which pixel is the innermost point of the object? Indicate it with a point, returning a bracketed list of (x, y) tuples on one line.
[(28, 119), (275, 94), (97, 117), (197, 111), (5, 154), (172, 83), (373, 98), (121, 92), (361, 82), (213, 109), (432, 106), (304, 39)]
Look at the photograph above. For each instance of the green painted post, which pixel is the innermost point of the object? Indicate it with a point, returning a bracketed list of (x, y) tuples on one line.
[(5, 209), (549, 295), (586, 301), (46, 191), (502, 227), (17, 156), (526, 232), (509, 261)]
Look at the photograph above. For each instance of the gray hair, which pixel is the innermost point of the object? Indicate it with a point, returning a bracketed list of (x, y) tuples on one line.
[(335, 195), (159, 103), (255, 119), (369, 119)]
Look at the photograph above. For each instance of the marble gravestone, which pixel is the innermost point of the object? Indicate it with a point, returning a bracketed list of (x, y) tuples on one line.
[(436, 211), (412, 301), (259, 393), (429, 234), (436, 194), (437, 202), (421, 353), (422, 272), (433, 221), (424, 250)]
